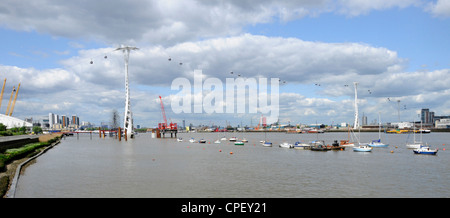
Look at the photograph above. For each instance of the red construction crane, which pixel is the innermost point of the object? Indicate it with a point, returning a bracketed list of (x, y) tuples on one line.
[(161, 126)]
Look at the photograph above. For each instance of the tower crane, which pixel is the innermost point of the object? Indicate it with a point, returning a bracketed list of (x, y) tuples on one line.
[(164, 126)]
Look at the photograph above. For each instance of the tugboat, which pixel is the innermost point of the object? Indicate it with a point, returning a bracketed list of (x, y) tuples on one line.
[(336, 147)]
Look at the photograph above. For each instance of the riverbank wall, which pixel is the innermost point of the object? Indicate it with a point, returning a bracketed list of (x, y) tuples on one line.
[(12, 162), (8, 142)]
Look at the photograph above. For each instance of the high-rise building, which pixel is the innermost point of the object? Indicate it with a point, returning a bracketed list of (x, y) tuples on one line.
[(50, 120), (425, 115), (364, 120), (75, 120), (64, 121)]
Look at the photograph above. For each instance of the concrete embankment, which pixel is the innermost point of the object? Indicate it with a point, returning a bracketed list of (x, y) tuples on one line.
[(39, 145), (8, 142)]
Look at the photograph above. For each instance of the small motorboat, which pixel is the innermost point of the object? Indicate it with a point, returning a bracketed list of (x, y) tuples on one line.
[(217, 141), (233, 139), (302, 146), (179, 139), (266, 144), (238, 143), (223, 138), (425, 150), (363, 148), (244, 140), (192, 140), (202, 141), (286, 145)]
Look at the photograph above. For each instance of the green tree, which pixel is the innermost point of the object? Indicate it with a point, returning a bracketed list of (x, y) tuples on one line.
[(2, 127), (37, 129)]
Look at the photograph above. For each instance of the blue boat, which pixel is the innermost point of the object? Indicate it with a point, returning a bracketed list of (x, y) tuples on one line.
[(267, 144), (425, 150)]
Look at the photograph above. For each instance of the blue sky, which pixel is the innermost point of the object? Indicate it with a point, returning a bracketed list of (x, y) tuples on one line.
[(412, 32), (396, 49)]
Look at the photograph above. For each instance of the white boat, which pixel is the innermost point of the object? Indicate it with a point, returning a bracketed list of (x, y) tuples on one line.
[(233, 139), (244, 140), (192, 140), (217, 141), (415, 144), (347, 143), (286, 145), (223, 138), (302, 146), (362, 148), (425, 150), (238, 143), (266, 144), (202, 141), (378, 143), (179, 139)]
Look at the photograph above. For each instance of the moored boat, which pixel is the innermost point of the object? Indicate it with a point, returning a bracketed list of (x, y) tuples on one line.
[(319, 145), (233, 139), (302, 146), (192, 140), (425, 150), (266, 144), (362, 148), (238, 143), (179, 139), (202, 141), (377, 143), (347, 143), (286, 145), (336, 146), (415, 145)]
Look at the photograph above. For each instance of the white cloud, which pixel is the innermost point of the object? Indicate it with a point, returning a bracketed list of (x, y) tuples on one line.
[(170, 22), (208, 35), (439, 9)]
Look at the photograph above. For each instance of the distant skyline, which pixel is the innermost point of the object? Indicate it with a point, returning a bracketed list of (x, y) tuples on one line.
[(396, 50)]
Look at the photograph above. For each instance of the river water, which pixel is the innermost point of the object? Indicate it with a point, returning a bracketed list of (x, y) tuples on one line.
[(146, 167)]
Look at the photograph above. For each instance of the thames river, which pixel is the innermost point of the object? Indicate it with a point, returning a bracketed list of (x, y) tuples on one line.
[(150, 167)]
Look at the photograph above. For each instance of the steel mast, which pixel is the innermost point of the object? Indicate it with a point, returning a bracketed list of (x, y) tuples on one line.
[(128, 118), (356, 125)]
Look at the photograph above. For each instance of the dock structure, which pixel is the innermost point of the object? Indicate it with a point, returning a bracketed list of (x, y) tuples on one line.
[(171, 131)]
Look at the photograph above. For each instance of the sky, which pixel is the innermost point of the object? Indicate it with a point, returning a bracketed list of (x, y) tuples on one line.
[(395, 50)]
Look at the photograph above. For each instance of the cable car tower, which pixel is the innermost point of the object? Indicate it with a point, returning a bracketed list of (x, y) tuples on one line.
[(128, 118), (356, 125)]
